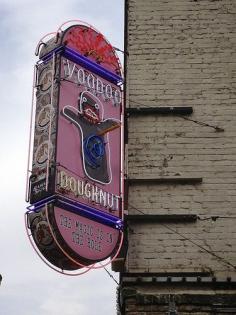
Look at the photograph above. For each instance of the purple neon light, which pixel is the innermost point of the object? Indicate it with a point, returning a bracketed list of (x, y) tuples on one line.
[(85, 62), (84, 210), (49, 55), (39, 204), (94, 214), (90, 65)]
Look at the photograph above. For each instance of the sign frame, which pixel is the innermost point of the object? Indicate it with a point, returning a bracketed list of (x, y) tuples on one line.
[(51, 184)]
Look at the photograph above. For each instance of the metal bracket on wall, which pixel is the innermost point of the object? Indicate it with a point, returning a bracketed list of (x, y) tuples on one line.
[(161, 110), (165, 180), (176, 180), (148, 218)]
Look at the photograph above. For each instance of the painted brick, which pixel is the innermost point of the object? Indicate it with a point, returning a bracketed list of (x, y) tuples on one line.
[(182, 54)]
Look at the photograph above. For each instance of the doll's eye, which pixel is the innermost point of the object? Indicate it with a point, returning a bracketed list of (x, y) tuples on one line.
[(84, 99), (96, 106)]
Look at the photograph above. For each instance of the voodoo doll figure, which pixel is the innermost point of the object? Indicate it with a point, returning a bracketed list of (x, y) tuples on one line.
[(93, 129)]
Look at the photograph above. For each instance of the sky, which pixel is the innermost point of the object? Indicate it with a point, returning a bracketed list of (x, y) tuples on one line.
[(29, 287)]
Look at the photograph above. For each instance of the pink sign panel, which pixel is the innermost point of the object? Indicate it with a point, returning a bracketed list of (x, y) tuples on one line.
[(89, 239), (75, 186), (89, 139)]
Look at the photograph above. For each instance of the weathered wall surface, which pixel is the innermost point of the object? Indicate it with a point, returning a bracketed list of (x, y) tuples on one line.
[(182, 53), (195, 302)]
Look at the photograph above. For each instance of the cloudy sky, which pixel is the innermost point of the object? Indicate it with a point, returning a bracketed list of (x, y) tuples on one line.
[(29, 287)]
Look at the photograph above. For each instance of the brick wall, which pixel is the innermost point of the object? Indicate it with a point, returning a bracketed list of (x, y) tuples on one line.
[(181, 303), (182, 53)]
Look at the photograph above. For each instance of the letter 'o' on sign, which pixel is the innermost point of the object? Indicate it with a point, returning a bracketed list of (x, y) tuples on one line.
[(74, 183)]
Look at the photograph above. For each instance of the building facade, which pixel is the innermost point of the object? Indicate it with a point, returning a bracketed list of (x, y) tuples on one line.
[(180, 251)]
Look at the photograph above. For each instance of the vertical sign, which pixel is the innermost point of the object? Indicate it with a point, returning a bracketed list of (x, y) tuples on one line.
[(75, 188)]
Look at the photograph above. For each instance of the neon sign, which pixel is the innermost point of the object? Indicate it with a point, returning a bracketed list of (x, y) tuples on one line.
[(75, 183)]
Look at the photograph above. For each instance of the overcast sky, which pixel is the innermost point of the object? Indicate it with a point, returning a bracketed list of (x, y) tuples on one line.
[(29, 287)]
